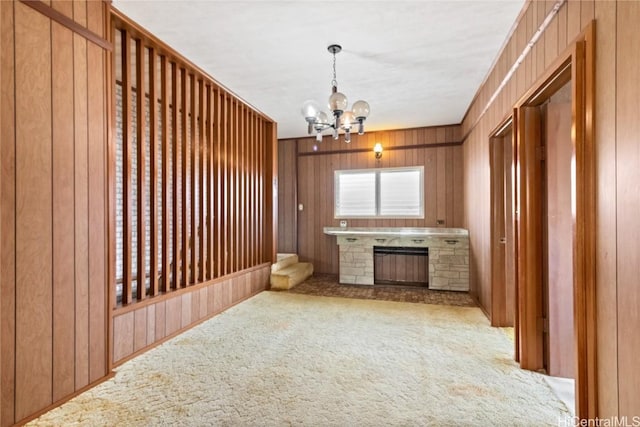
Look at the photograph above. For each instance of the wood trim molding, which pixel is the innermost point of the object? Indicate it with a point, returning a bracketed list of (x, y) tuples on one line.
[(580, 54), (367, 150), (64, 20)]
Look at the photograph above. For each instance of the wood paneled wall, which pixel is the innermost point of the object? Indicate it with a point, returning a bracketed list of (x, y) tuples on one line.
[(211, 162), (53, 215), (310, 182), (617, 166), (140, 326)]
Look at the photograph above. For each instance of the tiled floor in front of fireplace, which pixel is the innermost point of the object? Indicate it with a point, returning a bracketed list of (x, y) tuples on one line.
[(327, 285)]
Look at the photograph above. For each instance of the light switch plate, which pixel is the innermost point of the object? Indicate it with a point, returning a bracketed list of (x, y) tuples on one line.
[(343, 223)]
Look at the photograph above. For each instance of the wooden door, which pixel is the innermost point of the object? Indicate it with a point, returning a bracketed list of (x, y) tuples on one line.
[(498, 239)]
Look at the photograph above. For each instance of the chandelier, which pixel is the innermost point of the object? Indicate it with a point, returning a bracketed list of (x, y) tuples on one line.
[(344, 119)]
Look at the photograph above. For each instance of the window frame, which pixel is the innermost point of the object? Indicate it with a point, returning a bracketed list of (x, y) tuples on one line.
[(377, 172)]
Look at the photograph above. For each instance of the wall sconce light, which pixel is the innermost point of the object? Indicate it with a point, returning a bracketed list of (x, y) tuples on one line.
[(378, 150)]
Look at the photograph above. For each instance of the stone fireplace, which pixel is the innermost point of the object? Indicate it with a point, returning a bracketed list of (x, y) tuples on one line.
[(448, 253)]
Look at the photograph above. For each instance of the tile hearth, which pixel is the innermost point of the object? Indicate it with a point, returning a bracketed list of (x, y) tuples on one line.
[(327, 285)]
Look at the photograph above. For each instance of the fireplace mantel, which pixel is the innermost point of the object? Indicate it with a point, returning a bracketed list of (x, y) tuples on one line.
[(448, 252)]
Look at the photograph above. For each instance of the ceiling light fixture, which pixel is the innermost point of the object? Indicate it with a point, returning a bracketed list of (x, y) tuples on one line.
[(344, 119)]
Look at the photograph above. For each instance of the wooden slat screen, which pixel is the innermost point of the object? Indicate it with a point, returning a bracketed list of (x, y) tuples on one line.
[(191, 178)]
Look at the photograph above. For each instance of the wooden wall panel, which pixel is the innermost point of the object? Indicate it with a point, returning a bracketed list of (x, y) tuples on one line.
[(287, 196), (139, 329), (606, 214), (161, 321), (33, 212), (81, 213), (173, 318), (185, 315), (628, 205), (57, 235), (315, 170), (151, 324), (123, 332), (63, 212), (7, 214), (97, 119)]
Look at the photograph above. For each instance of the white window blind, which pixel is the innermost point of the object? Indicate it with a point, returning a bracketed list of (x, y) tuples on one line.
[(373, 193), (400, 193), (356, 194)]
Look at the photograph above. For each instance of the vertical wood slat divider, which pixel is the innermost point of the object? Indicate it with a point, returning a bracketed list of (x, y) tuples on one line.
[(241, 200), (175, 85), (254, 150), (204, 213), (220, 150), (201, 175), (211, 195), (261, 198), (255, 189), (141, 143), (233, 189), (237, 247), (126, 138), (251, 209), (247, 192), (184, 178), (164, 111), (111, 175), (218, 128), (251, 194), (153, 181), (259, 190), (260, 181), (228, 189), (193, 143)]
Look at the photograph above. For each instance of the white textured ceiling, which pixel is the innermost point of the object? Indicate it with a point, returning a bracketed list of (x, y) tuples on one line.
[(417, 63)]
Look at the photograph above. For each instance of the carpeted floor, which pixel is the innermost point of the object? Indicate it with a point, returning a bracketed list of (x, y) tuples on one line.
[(327, 285), (286, 359)]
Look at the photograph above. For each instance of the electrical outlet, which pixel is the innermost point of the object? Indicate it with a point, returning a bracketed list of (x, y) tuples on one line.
[(343, 223), (440, 221)]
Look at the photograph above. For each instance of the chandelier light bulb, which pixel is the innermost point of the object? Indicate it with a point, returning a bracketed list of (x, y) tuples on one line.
[(309, 110), (361, 109), (347, 120), (322, 118), (338, 102)]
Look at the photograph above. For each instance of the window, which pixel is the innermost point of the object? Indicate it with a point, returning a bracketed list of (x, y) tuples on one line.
[(373, 193)]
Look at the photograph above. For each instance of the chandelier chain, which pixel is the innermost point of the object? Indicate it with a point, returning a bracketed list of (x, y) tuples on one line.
[(334, 82)]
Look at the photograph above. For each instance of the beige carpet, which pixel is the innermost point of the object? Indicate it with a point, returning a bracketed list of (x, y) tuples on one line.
[(285, 359)]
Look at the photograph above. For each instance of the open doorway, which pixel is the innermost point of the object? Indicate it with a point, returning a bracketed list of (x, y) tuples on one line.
[(503, 242), (557, 235), (556, 224), (546, 159), (504, 289)]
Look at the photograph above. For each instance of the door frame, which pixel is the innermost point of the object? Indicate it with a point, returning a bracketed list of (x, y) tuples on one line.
[(498, 311), (575, 64)]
